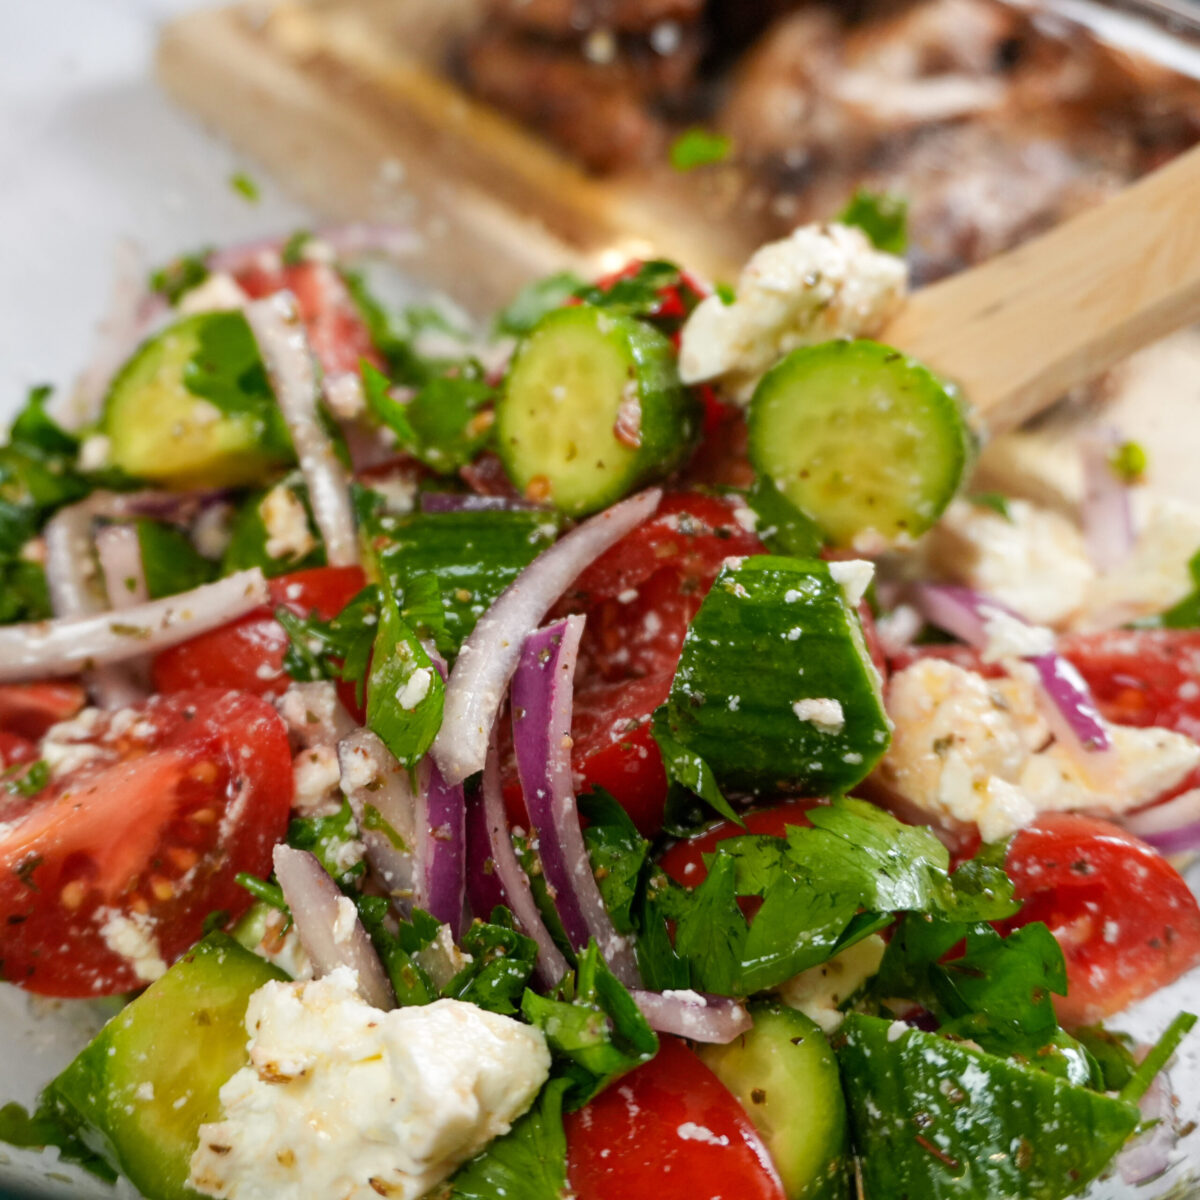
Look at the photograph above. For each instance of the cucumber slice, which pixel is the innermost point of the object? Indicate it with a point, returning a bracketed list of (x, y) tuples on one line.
[(786, 1077), (193, 407), (141, 1090), (592, 409), (939, 1120), (775, 689), (870, 444)]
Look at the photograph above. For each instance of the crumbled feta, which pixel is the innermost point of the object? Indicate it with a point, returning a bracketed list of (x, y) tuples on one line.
[(132, 937), (286, 521), (820, 991), (94, 452), (1032, 561), (314, 714), (213, 530), (219, 292), (821, 282), (1010, 637), (977, 750), (318, 777), (344, 395), (341, 1099), (1155, 575), (825, 714), (854, 577), (415, 688), (69, 745)]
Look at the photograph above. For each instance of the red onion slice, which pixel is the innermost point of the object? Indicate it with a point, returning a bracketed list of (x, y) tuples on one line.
[(371, 777), (551, 966), (1107, 513), (713, 1019), (328, 925), (1147, 1156), (67, 645), (489, 656), (484, 889), (1071, 710), (1172, 827), (442, 848), (120, 555), (276, 324), (542, 702)]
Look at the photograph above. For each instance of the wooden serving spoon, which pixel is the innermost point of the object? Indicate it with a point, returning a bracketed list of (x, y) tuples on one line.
[(1022, 329)]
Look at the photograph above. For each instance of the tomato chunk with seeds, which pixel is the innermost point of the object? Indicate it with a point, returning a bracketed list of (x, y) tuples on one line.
[(670, 1130), (247, 654), (109, 873), (1127, 923)]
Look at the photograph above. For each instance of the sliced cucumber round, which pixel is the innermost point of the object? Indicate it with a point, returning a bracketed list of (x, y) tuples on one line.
[(786, 1077), (592, 409), (193, 407), (868, 443)]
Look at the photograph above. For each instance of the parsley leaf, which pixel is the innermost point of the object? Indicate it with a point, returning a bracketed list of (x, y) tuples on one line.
[(688, 770), (882, 217), (501, 965), (595, 1029), (180, 275), (529, 1161), (26, 779), (617, 852), (334, 841), (699, 148), (534, 301), (170, 560)]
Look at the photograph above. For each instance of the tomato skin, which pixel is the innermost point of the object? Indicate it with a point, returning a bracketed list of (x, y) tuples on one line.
[(29, 709), (684, 861), (247, 654), (633, 1141), (1127, 923), (335, 329), (14, 749), (179, 795)]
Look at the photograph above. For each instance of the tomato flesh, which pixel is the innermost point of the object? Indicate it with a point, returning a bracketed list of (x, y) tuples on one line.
[(1127, 923), (669, 1130), (247, 654), (115, 866), (29, 709)]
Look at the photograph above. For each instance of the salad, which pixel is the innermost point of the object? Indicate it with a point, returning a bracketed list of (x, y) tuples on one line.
[(610, 752)]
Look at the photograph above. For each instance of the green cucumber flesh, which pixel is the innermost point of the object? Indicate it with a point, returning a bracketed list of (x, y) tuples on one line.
[(786, 1077), (775, 689), (140, 1091), (592, 409), (934, 1119), (192, 407), (867, 442)]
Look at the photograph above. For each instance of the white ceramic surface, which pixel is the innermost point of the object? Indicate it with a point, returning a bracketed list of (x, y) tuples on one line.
[(93, 154)]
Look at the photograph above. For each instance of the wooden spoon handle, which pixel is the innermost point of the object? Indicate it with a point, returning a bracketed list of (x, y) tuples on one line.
[(1019, 331)]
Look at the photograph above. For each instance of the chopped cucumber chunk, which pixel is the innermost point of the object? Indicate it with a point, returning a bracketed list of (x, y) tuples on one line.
[(940, 1120), (786, 1077), (193, 407), (870, 444), (141, 1090), (592, 409), (775, 689)]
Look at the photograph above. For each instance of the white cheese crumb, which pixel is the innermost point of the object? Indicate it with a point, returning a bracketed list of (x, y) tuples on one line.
[(218, 292), (827, 715), (1010, 637), (286, 521), (132, 937), (854, 577), (415, 688)]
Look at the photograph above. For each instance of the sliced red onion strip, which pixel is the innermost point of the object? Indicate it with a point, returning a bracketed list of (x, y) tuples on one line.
[(702, 1018), (120, 555), (551, 966), (489, 656), (1107, 513), (442, 849), (542, 702), (964, 613), (371, 776), (69, 563), (328, 925), (292, 370), (1147, 1156), (1172, 827), (484, 889), (64, 646)]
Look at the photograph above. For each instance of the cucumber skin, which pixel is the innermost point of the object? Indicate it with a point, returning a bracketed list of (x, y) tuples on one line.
[(245, 445), (91, 1097), (737, 649), (671, 414), (956, 448), (786, 1048), (948, 1094)]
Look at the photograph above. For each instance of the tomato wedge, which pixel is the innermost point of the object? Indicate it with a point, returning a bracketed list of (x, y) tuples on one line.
[(110, 872), (1127, 923), (247, 654), (669, 1130), (29, 709)]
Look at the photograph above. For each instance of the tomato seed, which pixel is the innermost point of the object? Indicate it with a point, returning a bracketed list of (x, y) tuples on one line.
[(73, 894), (162, 888), (204, 816), (182, 857), (204, 772)]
